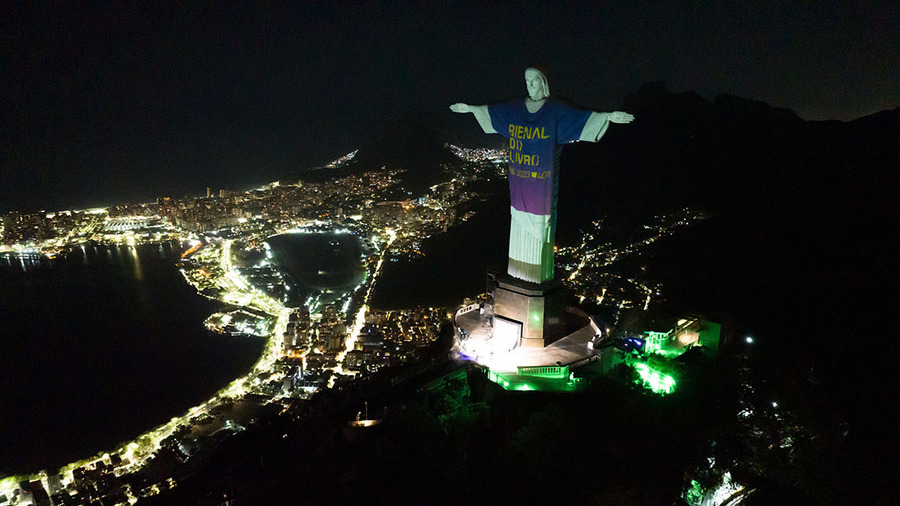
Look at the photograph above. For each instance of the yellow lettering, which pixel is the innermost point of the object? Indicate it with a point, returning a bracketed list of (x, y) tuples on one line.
[(524, 132)]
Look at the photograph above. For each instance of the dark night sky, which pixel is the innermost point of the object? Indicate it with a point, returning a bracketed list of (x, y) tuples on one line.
[(120, 104)]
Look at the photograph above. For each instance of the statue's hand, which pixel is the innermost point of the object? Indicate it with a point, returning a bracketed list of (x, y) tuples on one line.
[(460, 107), (620, 117)]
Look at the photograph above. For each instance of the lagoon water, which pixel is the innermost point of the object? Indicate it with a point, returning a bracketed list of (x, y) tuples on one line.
[(99, 346), (326, 264)]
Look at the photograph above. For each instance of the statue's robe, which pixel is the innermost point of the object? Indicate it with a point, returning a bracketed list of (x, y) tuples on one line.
[(535, 141)]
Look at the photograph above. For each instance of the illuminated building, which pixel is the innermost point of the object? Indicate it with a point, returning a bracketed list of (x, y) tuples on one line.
[(687, 332)]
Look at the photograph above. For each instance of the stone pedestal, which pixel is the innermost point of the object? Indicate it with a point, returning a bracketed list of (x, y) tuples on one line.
[(537, 310)]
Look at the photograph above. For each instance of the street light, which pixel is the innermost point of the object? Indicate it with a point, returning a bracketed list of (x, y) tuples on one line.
[(749, 340)]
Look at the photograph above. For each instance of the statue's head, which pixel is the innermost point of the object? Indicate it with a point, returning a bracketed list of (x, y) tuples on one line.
[(536, 83)]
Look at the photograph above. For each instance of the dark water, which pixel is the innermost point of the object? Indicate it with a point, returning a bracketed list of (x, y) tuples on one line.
[(100, 346), (318, 262)]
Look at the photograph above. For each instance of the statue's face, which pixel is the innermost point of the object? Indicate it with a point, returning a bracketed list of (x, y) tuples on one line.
[(534, 84)]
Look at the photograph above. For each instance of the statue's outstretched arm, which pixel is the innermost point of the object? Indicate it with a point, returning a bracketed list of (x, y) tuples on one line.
[(598, 122), (481, 114)]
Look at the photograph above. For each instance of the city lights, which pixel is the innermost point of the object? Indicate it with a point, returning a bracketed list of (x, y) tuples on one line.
[(226, 257)]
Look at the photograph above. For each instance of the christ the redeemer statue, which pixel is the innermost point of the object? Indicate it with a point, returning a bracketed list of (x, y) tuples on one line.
[(537, 127)]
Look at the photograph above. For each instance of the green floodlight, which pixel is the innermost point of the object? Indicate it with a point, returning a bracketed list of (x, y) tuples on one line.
[(529, 381), (658, 382)]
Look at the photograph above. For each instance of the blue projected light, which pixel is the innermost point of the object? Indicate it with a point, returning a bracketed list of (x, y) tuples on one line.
[(465, 356), (631, 344)]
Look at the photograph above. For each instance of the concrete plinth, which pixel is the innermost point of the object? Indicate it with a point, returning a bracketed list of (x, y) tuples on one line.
[(539, 309)]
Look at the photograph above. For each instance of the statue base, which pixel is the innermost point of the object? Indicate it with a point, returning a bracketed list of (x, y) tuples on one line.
[(528, 314)]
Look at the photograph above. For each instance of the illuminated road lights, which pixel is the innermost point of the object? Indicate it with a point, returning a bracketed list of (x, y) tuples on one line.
[(749, 340)]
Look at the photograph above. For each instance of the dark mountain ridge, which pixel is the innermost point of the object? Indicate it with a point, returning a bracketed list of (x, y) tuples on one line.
[(799, 246), (412, 142), (685, 150)]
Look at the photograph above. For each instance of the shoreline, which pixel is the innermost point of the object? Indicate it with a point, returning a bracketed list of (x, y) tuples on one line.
[(136, 452), (131, 449)]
